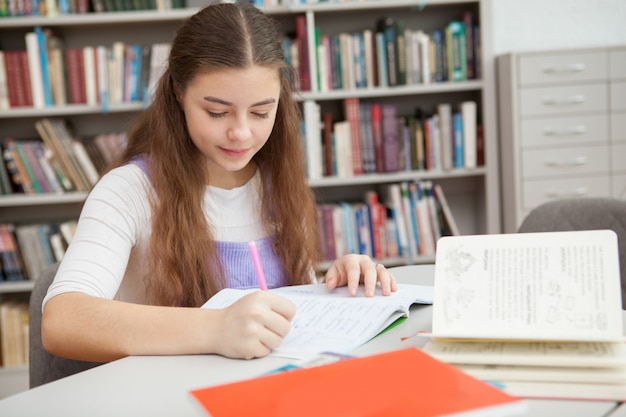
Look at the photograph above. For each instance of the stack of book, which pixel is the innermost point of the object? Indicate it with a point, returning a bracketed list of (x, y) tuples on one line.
[(59, 162), (47, 73), (405, 221)]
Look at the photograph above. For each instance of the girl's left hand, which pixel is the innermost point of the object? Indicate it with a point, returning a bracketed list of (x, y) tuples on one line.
[(353, 269)]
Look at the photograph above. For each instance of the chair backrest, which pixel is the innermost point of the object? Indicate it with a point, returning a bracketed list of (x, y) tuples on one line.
[(583, 214), (44, 367)]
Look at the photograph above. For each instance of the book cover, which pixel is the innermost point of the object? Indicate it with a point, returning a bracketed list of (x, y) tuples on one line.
[(457, 134), (468, 23), (44, 62), (31, 162), (91, 83), (391, 137), (57, 70), (377, 136), (352, 115), (400, 48), (75, 65), (393, 200), (367, 138), (444, 110), (382, 77), (343, 149), (12, 265), (327, 135), (469, 115), (440, 389), (371, 199), (304, 70), (19, 164), (34, 70), (4, 88), (313, 138), (19, 94), (447, 221), (358, 53), (387, 27)]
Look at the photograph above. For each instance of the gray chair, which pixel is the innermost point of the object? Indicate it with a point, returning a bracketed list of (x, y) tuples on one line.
[(44, 367), (582, 214)]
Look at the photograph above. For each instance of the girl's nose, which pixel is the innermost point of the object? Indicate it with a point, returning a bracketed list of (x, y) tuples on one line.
[(239, 130)]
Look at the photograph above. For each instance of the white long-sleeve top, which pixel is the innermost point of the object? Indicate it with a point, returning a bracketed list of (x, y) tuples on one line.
[(108, 253)]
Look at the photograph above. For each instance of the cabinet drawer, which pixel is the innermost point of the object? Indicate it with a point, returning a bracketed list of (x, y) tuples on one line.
[(537, 192), (569, 99), (618, 96), (565, 131), (562, 67), (618, 127), (619, 186), (565, 161), (618, 158), (617, 64)]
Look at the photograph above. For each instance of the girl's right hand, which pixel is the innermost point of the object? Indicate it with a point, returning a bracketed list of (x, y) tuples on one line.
[(254, 325)]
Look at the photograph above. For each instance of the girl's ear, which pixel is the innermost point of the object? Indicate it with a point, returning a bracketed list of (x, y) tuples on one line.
[(177, 93)]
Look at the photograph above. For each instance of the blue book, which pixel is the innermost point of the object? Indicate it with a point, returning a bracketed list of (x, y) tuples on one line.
[(457, 132), (45, 72), (349, 223), (134, 62), (359, 60)]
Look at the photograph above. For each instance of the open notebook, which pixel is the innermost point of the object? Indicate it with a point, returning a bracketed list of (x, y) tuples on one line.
[(334, 321)]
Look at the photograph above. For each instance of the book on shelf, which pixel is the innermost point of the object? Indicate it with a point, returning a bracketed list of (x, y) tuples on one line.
[(343, 149), (442, 390), (18, 81), (368, 150), (57, 68), (352, 115), (533, 308), (17, 165), (398, 222), (312, 136), (4, 87), (302, 37), (456, 51), (444, 110), (12, 264), (75, 66), (391, 136), (13, 332), (317, 328), (469, 120), (59, 140), (34, 69)]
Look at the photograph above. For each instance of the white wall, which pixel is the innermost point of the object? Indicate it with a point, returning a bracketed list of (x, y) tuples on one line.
[(529, 25)]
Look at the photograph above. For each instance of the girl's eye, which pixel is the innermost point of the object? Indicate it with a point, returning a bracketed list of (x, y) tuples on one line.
[(262, 115), (216, 115)]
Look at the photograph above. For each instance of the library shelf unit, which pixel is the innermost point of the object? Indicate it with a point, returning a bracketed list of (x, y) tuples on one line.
[(473, 194)]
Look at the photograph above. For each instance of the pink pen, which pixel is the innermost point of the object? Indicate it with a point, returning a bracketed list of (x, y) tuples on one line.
[(257, 265)]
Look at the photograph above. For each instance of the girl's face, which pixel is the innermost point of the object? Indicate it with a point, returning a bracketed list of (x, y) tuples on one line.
[(230, 115)]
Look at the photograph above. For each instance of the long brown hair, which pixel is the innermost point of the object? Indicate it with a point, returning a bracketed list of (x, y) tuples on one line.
[(184, 266)]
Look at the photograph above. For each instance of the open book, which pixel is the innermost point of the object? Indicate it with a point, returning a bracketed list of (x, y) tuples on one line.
[(333, 320), (530, 308)]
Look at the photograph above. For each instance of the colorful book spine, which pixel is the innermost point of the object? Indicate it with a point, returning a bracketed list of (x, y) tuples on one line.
[(457, 131)]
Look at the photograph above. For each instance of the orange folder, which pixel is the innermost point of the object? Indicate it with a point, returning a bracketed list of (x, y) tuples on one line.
[(405, 382)]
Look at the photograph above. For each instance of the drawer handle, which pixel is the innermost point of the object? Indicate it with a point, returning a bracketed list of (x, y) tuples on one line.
[(566, 131), (579, 160), (576, 192), (567, 69), (577, 99)]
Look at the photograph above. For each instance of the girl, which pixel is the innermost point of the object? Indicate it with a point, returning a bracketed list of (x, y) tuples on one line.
[(213, 163)]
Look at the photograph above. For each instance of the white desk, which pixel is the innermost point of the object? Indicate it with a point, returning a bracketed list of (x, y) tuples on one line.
[(158, 386)]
